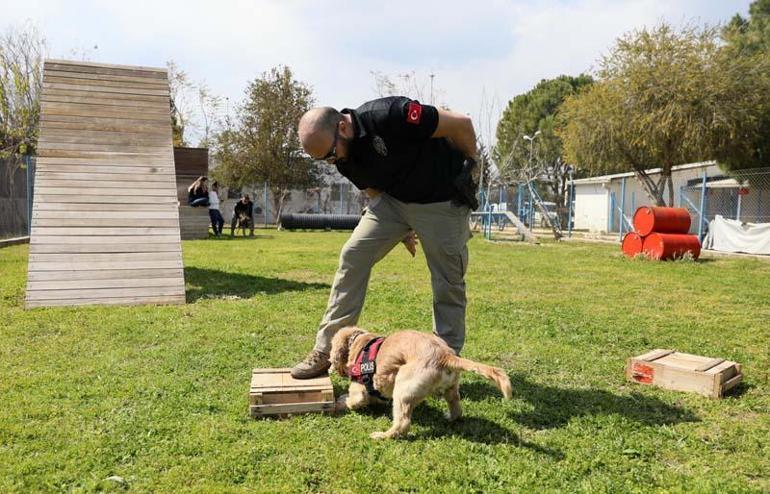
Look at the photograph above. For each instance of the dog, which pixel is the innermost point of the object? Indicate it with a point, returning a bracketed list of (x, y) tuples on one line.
[(409, 366), (244, 223)]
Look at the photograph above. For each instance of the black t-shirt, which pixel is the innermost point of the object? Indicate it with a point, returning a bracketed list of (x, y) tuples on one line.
[(196, 194), (244, 207), (393, 151)]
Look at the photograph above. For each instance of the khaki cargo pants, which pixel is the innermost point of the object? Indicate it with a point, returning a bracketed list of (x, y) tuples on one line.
[(443, 231)]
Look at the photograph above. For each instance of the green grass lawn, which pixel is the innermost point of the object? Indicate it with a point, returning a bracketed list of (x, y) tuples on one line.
[(153, 399)]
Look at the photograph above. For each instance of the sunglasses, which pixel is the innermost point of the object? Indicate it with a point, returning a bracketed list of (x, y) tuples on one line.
[(331, 156)]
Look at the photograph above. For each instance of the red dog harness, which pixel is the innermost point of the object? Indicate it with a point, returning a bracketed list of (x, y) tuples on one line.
[(362, 371)]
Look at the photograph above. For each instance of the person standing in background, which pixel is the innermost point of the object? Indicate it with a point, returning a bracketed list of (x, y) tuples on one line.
[(217, 221)]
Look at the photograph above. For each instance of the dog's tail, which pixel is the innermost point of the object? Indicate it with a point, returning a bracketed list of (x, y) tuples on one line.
[(498, 376)]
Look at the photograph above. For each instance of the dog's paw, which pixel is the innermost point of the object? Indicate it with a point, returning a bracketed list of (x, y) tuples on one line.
[(341, 405), (379, 435), (450, 417)]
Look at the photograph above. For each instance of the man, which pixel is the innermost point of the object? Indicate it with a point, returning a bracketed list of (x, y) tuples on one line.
[(244, 207), (217, 222), (415, 163)]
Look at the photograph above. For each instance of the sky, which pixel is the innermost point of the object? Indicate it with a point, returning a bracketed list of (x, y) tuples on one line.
[(480, 53)]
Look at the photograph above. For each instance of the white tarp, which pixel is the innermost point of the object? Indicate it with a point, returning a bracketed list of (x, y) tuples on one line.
[(733, 236)]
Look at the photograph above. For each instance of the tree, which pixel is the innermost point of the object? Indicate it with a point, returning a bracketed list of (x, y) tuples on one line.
[(227, 153), (750, 35), (194, 108), (180, 88), (537, 110), (22, 51), (21, 80), (407, 84), (263, 144), (667, 97), (751, 38), (209, 105)]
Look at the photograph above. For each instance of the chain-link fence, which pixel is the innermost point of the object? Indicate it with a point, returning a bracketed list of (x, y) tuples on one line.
[(706, 191), (742, 196), (605, 205), (339, 197), (17, 177)]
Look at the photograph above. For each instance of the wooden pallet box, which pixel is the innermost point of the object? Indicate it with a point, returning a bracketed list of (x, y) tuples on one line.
[(275, 392), (685, 372)]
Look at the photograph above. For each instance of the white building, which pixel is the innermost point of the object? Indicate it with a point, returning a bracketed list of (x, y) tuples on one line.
[(599, 200)]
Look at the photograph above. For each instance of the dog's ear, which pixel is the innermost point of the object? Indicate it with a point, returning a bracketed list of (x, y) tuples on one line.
[(341, 351), (339, 358)]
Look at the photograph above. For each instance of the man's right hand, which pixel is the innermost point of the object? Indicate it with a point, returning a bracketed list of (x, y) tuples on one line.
[(410, 242), (466, 185)]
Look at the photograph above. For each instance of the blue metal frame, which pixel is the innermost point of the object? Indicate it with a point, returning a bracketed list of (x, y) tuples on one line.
[(622, 207), (702, 206), (624, 225), (689, 204), (611, 213), (531, 206), (533, 196)]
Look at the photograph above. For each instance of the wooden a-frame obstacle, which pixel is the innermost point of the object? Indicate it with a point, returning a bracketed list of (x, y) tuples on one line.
[(105, 224)]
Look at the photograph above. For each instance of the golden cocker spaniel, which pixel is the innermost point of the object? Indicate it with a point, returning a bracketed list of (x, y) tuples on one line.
[(409, 366)]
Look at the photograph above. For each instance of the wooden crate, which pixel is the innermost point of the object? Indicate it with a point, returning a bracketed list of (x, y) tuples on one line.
[(684, 372), (275, 392)]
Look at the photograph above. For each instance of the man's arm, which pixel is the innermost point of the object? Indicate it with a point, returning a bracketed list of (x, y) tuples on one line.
[(458, 128)]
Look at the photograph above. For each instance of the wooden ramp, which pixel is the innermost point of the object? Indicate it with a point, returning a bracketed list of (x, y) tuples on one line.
[(105, 223)]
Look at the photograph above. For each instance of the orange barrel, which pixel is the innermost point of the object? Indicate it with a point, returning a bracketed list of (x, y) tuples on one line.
[(632, 244), (649, 219), (670, 245)]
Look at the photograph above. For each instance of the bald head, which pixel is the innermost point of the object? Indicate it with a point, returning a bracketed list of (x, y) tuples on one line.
[(317, 128)]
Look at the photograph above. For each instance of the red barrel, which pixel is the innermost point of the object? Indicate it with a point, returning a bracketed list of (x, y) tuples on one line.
[(670, 245), (649, 219), (632, 244)]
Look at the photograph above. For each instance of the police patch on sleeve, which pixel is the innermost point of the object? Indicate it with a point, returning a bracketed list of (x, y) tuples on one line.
[(413, 113)]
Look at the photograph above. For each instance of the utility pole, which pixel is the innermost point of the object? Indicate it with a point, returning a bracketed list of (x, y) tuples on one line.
[(530, 178)]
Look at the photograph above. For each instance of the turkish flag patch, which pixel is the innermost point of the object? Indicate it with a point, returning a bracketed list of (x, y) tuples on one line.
[(413, 113)]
